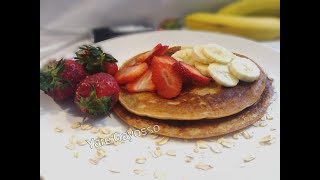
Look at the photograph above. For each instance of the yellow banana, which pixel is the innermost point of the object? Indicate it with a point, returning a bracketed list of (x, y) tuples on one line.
[(257, 28), (253, 8)]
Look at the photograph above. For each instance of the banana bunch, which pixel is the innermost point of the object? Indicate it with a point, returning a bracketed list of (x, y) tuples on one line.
[(237, 19), (253, 8)]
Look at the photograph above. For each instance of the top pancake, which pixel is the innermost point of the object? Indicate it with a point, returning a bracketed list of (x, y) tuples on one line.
[(195, 101)]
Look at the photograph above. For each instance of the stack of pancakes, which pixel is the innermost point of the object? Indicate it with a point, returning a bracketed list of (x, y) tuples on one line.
[(199, 111)]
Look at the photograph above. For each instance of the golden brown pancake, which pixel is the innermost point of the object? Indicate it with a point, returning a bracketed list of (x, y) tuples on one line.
[(201, 128), (196, 101)]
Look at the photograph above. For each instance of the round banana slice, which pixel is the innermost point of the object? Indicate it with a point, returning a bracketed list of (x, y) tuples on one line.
[(198, 55), (220, 73), (244, 69), (217, 53), (184, 55), (202, 68)]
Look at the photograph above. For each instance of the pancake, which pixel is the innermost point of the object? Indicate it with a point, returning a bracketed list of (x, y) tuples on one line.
[(203, 128), (196, 101)]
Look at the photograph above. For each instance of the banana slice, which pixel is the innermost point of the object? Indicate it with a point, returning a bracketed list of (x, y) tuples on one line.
[(184, 55), (244, 69), (198, 55), (217, 53), (203, 68), (220, 73)]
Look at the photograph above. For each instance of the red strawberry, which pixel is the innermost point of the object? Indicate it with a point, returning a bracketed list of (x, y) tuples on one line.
[(168, 81), (161, 51), (143, 83), (58, 79), (94, 59), (189, 72), (97, 94), (130, 73), (59, 94), (111, 68), (158, 50)]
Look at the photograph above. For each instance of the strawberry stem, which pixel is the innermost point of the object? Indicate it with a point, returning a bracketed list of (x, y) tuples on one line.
[(92, 58), (94, 105)]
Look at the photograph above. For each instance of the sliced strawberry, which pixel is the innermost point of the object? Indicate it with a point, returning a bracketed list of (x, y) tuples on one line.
[(190, 72), (168, 81), (166, 59), (161, 51), (143, 83), (130, 73), (158, 50)]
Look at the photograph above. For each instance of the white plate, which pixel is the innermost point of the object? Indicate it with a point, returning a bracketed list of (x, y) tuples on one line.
[(57, 162)]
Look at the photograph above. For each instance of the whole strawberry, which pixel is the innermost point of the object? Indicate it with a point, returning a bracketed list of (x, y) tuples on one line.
[(97, 94), (95, 60), (58, 79)]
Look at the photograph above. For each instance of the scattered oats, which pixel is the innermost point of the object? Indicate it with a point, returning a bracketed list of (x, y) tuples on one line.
[(196, 150), (263, 118), (188, 159), (249, 158), (75, 125), (201, 144), (159, 175), (263, 124), (116, 143), (157, 153), (94, 130), (59, 130), (235, 136), (212, 140), (72, 140), (101, 153), (94, 161), (70, 146), (227, 143), (76, 154), (266, 139), (171, 152), (215, 147), (138, 171), (105, 130), (141, 160), (153, 136), (203, 166), (269, 117), (81, 142), (102, 136), (246, 134), (162, 141), (158, 148), (220, 140), (86, 127), (257, 124), (113, 170), (273, 129)]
